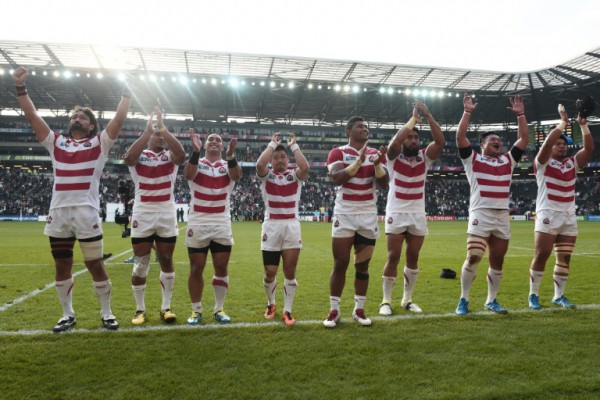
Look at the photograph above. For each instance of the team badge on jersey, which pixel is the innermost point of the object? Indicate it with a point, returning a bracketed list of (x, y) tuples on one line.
[(190, 233), (289, 178), (371, 158), (164, 158), (48, 219), (390, 220), (95, 226), (418, 159), (87, 144), (475, 222), (336, 223), (222, 170), (134, 224), (546, 221), (264, 238)]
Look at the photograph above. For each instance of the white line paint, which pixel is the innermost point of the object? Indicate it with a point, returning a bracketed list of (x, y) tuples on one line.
[(401, 317), (48, 286)]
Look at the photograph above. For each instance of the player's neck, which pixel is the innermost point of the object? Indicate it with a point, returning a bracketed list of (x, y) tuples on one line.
[(212, 157), (356, 145)]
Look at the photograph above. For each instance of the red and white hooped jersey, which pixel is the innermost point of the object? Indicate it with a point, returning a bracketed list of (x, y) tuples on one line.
[(490, 179), (210, 191), (359, 194), (556, 184), (154, 177), (78, 165), (281, 194), (407, 183)]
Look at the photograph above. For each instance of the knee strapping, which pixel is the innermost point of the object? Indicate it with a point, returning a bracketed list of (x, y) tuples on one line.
[(91, 250), (564, 248), (361, 276), (364, 255), (476, 247), (141, 266), (62, 248)]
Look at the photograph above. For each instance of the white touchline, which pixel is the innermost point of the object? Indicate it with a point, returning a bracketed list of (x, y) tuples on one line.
[(267, 324)]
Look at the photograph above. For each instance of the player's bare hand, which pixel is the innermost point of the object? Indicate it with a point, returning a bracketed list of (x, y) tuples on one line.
[(516, 105), (150, 121), (291, 139), (231, 148), (363, 152), (196, 141), (380, 155), (421, 108), (276, 138), (159, 118), (563, 113), (581, 120), (468, 103), (20, 76)]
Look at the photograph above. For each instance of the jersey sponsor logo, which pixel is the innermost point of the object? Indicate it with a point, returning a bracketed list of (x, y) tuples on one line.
[(271, 176), (190, 233), (350, 158), (222, 170), (264, 237), (491, 159), (390, 220), (202, 166), (546, 221), (475, 222), (134, 224)]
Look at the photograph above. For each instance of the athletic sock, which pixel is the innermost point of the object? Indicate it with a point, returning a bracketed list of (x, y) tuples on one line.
[(220, 285), (167, 282), (289, 291), (64, 289)]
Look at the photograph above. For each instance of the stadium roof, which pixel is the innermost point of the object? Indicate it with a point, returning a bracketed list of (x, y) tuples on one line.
[(288, 90)]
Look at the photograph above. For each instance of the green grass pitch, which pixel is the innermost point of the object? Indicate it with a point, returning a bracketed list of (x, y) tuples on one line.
[(522, 355)]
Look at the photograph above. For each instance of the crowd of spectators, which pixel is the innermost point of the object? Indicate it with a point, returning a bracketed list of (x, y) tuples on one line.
[(27, 192)]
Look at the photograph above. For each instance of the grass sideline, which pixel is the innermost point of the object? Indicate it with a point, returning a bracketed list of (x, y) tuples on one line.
[(521, 355)]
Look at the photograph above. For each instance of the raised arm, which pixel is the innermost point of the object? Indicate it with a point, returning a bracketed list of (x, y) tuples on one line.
[(546, 150), (302, 166), (233, 168), (135, 150), (340, 175), (583, 155), (40, 128), (434, 150), (518, 108), (393, 148), (463, 125), (177, 151), (263, 160), (113, 128), (191, 168)]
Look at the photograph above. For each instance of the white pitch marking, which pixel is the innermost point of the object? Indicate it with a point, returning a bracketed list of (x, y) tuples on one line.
[(48, 286), (298, 322)]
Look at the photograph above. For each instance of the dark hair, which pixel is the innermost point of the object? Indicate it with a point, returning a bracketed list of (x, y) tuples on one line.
[(484, 135), (351, 123), (87, 111), (416, 130), (280, 147)]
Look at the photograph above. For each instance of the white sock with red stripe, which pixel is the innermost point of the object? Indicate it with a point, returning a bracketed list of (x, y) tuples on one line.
[(270, 290), (289, 291), (494, 277), (167, 282), (535, 278), (388, 286), (359, 302), (335, 301), (64, 289), (103, 291), (220, 285), (410, 278), (467, 276), (560, 284), (139, 292)]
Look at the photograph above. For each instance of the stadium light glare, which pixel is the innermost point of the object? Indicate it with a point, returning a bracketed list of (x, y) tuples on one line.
[(203, 80), (262, 83), (364, 89), (152, 77), (233, 82), (291, 85), (183, 80), (272, 84), (243, 83), (449, 94), (328, 87), (213, 81), (310, 85), (88, 75), (223, 81), (456, 94), (399, 90), (2, 71), (424, 92), (11, 71), (355, 89), (194, 80), (390, 90), (337, 88), (99, 75), (77, 74), (441, 94), (56, 73), (253, 83), (142, 77), (281, 84), (473, 96), (162, 78), (319, 87), (381, 90), (417, 92), (173, 79), (346, 88), (407, 92), (33, 73)]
